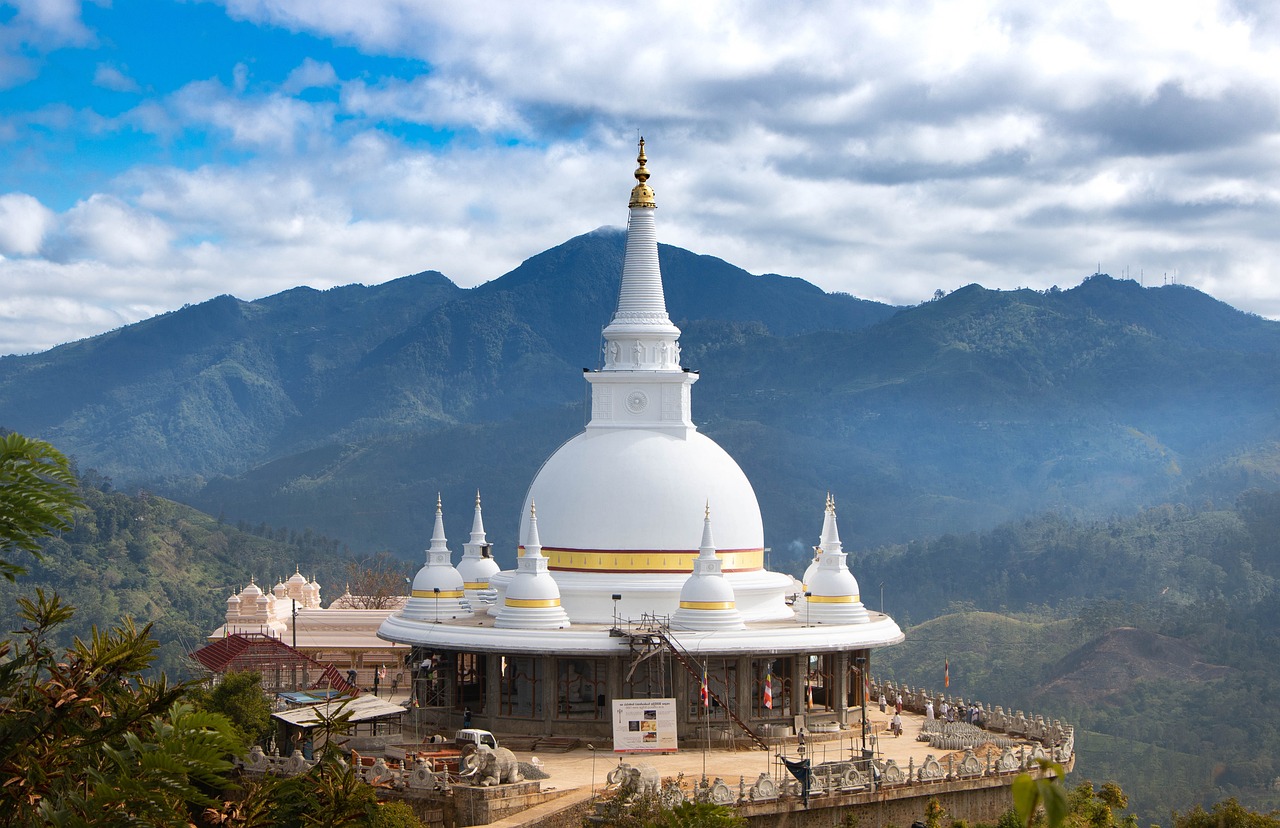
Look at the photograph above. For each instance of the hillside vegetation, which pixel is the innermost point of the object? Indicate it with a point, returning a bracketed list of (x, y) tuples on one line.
[(348, 410), (1158, 635)]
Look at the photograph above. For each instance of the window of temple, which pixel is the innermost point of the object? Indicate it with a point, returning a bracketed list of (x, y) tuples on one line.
[(779, 673), (469, 682), (819, 683), (519, 687), (580, 688)]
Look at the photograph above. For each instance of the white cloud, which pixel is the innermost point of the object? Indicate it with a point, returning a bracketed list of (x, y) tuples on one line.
[(884, 149), (104, 228), (271, 122), (111, 77), (435, 101), (310, 74), (24, 221)]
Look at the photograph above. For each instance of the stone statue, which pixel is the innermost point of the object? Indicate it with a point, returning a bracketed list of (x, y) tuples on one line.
[(489, 766), (635, 779)]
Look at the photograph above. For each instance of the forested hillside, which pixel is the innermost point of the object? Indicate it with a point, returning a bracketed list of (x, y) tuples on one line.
[(1157, 634), (149, 558), (348, 410)]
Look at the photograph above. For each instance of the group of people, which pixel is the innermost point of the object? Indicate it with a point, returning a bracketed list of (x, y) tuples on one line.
[(895, 724), (947, 712), (951, 713)]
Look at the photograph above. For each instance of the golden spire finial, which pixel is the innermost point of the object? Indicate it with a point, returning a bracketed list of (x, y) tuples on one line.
[(642, 193)]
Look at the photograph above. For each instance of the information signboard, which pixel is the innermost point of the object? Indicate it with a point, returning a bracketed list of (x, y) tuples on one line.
[(644, 725)]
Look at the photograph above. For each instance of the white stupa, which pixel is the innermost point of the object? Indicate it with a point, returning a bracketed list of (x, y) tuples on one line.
[(438, 591), (831, 594), (706, 599), (477, 565), (532, 599), (616, 502), (608, 570)]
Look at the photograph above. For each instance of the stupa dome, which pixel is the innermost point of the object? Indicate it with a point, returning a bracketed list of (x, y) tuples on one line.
[(641, 490)]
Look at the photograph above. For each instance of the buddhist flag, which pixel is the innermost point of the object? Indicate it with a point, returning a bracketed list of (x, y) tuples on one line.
[(704, 692), (946, 673), (768, 691), (808, 692)]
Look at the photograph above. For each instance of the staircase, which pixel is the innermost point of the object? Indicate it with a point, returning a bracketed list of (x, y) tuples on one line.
[(654, 632)]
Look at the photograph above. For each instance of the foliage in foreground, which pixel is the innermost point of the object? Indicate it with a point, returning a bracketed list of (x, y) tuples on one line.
[(37, 497), (644, 810), (87, 738)]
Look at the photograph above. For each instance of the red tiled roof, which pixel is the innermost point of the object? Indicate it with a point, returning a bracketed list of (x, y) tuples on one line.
[(242, 652)]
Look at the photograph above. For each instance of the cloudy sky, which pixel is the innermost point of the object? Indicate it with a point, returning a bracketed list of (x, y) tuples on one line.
[(156, 153)]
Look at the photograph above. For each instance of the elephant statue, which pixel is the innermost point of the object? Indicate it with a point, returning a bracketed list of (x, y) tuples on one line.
[(491, 766), (635, 779)]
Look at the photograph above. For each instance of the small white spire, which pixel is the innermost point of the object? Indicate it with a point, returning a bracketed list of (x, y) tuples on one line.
[(439, 544), (707, 601), (533, 546), (477, 523)]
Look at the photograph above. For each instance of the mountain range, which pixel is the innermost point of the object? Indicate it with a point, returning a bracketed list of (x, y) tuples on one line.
[(345, 411)]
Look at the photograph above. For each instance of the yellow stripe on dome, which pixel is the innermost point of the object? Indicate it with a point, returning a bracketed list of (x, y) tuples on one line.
[(444, 593), (533, 602), (832, 599), (707, 605), (477, 585), (604, 560)]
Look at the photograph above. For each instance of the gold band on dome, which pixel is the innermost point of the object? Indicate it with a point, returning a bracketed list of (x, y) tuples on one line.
[(707, 605), (533, 602), (431, 593), (832, 599), (477, 585), (601, 560)]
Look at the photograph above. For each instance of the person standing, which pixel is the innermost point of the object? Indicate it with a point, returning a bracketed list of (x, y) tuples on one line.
[(896, 724), (884, 702), (928, 710)]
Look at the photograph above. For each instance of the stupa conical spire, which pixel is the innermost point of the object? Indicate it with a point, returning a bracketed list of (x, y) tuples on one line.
[(477, 565), (707, 601), (437, 593), (532, 600), (641, 335), (832, 590)]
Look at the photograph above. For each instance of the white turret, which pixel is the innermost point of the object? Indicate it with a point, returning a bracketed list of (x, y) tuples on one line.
[(706, 600), (296, 585), (437, 588), (828, 526), (832, 590), (477, 565), (532, 600)]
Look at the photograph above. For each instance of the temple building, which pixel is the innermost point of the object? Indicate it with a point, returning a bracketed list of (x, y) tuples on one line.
[(343, 635), (641, 569)]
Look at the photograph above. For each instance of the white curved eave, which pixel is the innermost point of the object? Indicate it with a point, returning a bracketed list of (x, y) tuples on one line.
[(479, 635)]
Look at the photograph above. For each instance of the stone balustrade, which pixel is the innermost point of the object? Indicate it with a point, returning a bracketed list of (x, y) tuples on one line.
[(414, 776)]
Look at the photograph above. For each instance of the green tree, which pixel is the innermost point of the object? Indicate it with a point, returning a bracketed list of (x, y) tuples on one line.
[(85, 735), (239, 697), (37, 497), (698, 815), (1226, 814)]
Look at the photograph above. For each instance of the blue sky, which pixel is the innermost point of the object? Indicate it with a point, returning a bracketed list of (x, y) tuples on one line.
[(154, 153)]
